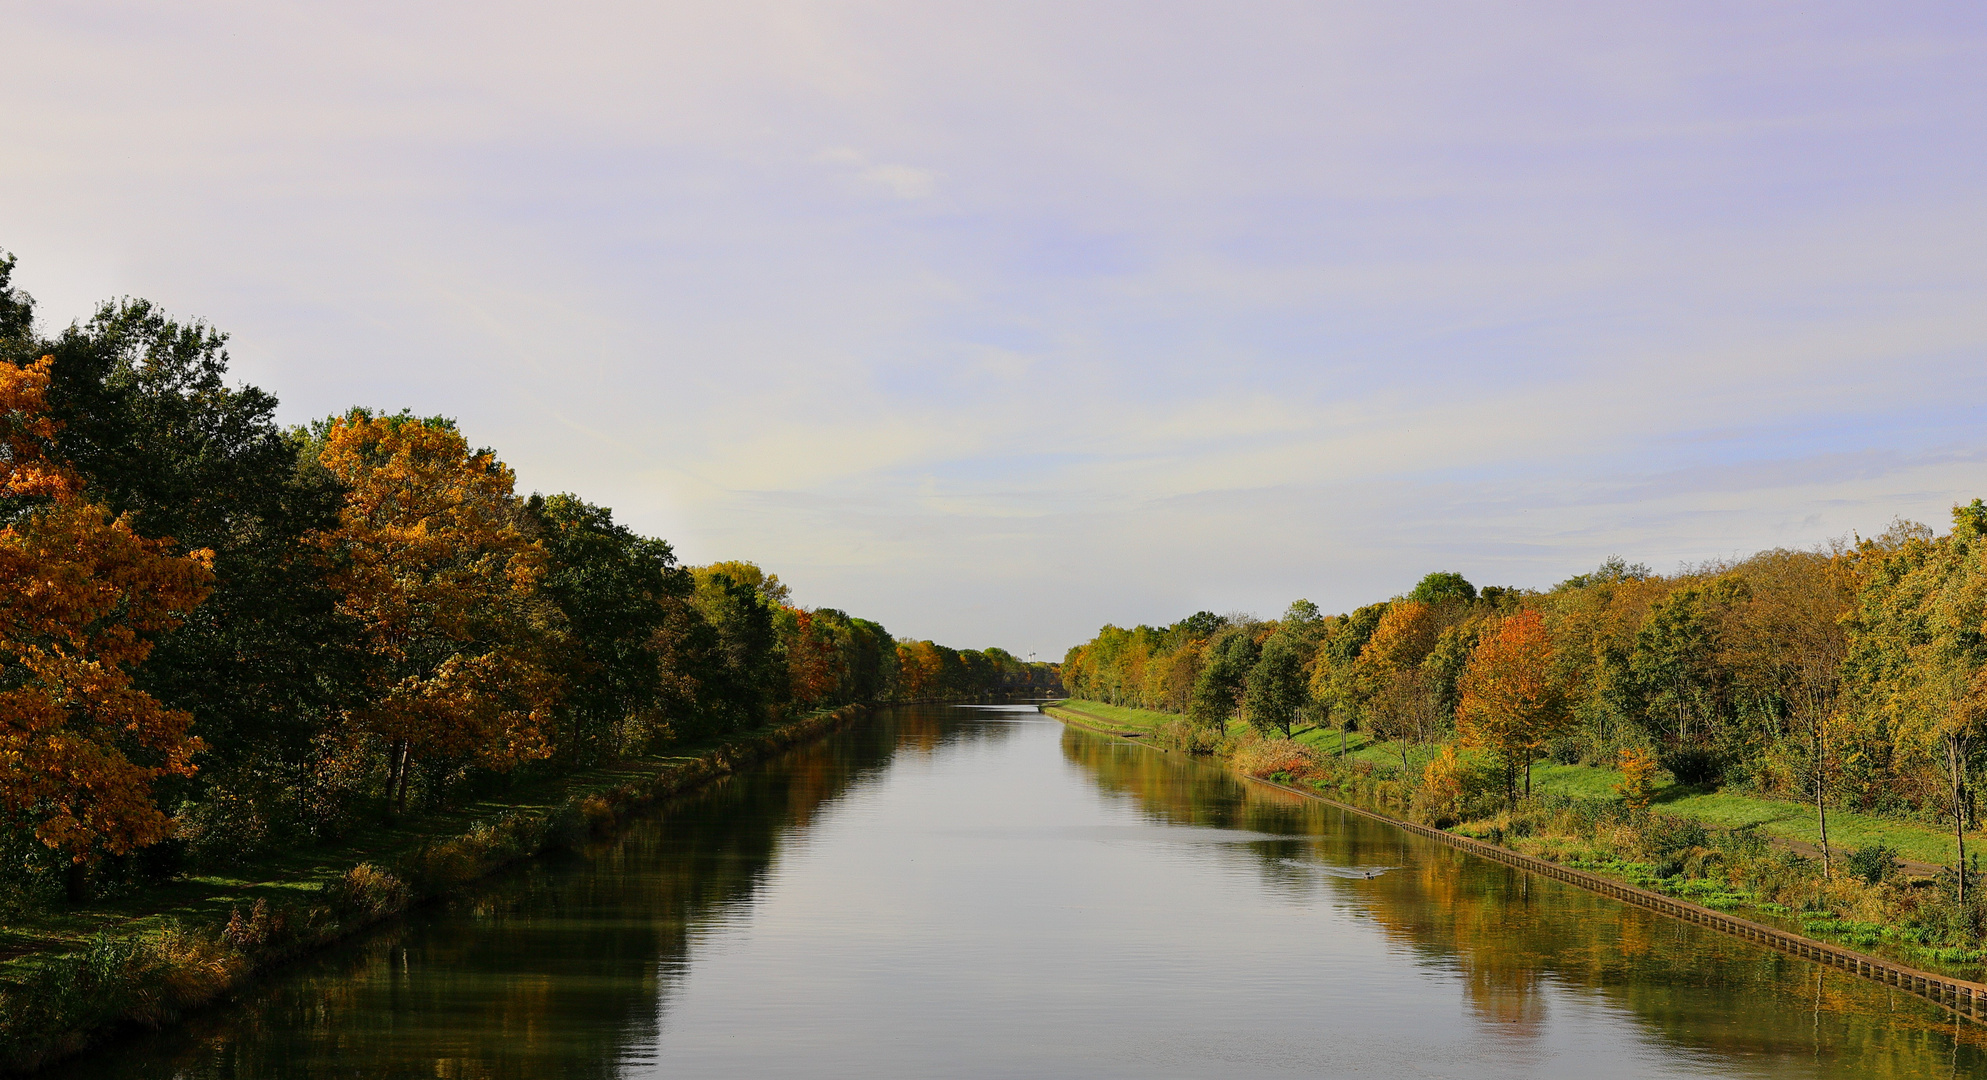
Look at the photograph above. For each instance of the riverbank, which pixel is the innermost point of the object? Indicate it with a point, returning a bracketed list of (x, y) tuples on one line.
[(1793, 930), (79, 976), (1922, 850)]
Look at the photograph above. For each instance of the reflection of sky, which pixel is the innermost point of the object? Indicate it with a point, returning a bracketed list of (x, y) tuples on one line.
[(999, 322)]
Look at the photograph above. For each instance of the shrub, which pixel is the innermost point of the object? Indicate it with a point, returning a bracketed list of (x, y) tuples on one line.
[(1444, 784), (262, 929), (1693, 766), (1188, 736), (1872, 864), (367, 892), (1638, 777), (1267, 757)]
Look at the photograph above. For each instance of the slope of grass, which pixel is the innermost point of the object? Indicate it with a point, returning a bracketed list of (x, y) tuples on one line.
[(1780, 819)]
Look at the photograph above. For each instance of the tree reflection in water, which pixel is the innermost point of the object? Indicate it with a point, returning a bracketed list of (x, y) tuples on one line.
[(1510, 937)]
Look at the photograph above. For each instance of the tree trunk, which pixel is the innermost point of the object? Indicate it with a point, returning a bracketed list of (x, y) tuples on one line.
[(1959, 811), (404, 766), (1821, 804), (76, 882)]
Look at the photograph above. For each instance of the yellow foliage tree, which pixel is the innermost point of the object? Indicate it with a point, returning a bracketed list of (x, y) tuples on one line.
[(1397, 700), (769, 586), (429, 558), (920, 669), (81, 594), (1513, 701), (1638, 777)]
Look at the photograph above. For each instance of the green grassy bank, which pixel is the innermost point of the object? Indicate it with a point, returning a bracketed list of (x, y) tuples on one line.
[(1721, 849), (1776, 819), (73, 976)]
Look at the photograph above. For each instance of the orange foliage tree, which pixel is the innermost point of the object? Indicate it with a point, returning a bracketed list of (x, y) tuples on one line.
[(814, 667), (429, 558), (1513, 701), (81, 595), (920, 670)]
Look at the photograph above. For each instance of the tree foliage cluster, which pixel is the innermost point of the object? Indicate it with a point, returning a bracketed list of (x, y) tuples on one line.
[(1852, 675), (220, 637)]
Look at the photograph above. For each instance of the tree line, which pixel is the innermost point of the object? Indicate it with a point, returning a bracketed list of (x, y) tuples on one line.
[(1852, 675), (221, 637)]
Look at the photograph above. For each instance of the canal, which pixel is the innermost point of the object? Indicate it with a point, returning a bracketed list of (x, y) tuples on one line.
[(980, 892)]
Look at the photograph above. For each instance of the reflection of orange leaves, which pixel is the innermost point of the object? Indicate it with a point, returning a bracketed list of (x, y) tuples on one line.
[(81, 594), (1632, 933)]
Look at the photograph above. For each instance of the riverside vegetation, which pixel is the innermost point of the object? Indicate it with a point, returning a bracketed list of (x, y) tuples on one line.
[(234, 653), (1792, 734)]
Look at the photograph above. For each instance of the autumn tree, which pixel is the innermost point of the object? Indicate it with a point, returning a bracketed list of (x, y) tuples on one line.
[(1513, 700), (749, 574), (431, 561), (84, 596), (1387, 678), (156, 432), (1919, 655), (815, 664), (1638, 777), (920, 670), (1335, 675), (1783, 641)]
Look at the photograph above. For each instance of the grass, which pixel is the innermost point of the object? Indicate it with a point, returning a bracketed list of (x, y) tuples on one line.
[(1780, 819), (1115, 716)]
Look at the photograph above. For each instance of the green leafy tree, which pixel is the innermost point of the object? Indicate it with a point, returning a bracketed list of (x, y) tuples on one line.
[(1218, 690), (617, 590), (1275, 692), (1443, 588)]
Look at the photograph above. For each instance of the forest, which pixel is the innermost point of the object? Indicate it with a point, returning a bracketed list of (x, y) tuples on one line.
[(1851, 678), (221, 637)]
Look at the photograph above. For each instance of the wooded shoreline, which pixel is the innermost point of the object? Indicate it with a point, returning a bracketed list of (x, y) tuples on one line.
[(69, 1004)]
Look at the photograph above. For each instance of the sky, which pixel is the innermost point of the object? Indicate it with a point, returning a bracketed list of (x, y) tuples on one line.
[(999, 322)]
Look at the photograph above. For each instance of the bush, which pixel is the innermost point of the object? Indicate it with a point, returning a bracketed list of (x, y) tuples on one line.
[(1693, 766), (1267, 757), (1445, 785), (1188, 736), (366, 892), (1873, 864)]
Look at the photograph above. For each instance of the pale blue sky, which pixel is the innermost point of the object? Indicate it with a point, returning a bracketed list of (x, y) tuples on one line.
[(999, 321)]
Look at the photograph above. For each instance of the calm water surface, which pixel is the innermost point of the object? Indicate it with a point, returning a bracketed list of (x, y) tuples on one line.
[(978, 892)]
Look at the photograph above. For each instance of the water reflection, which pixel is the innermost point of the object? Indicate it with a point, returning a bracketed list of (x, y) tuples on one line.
[(982, 893), (1511, 937)]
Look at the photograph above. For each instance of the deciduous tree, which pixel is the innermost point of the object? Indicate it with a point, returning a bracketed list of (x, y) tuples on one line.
[(82, 596), (1513, 698), (431, 561)]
